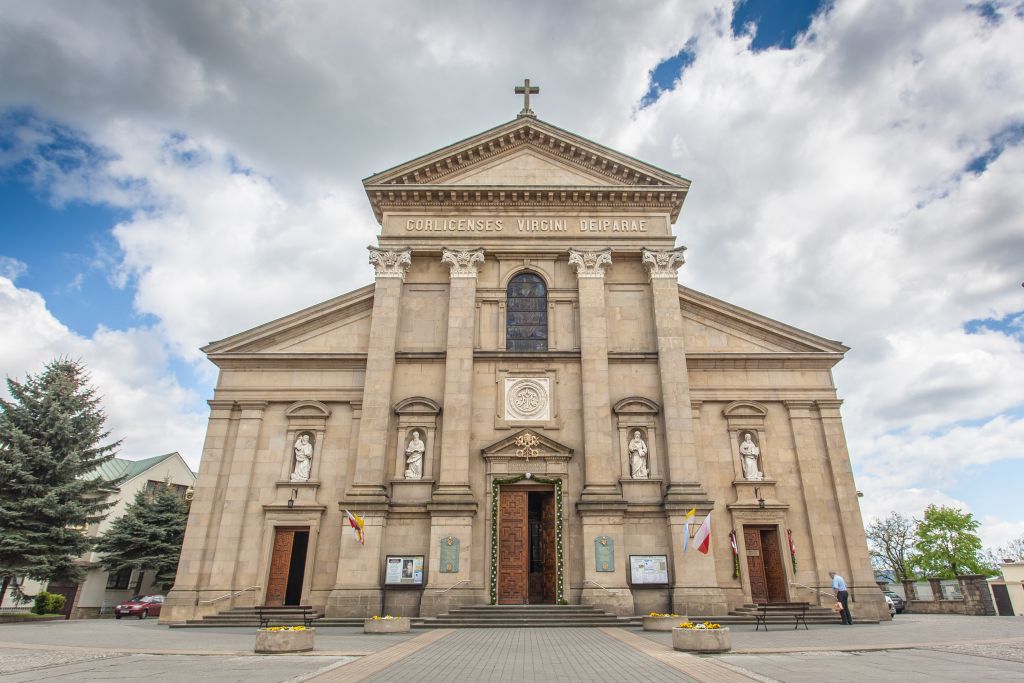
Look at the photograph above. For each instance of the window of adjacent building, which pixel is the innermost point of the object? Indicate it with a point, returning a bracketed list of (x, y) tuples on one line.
[(119, 580), (179, 489), (527, 307)]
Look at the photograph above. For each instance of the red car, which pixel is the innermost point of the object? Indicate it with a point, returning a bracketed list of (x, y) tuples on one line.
[(140, 606)]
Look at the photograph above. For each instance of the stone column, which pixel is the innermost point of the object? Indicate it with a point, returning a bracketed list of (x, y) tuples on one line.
[(357, 591), (452, 506), (817, 496), (203, 522), (695, 588), (601, 505)]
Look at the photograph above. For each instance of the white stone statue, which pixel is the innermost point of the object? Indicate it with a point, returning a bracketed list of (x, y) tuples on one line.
[(638, 457), (303, 458), (414, 457), (749, 453)]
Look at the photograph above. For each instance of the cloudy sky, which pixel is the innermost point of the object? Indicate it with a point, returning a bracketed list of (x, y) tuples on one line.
[(857, 170)]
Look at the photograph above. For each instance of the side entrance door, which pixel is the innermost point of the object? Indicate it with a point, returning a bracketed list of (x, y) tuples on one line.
[(287, 566), (764, 564)]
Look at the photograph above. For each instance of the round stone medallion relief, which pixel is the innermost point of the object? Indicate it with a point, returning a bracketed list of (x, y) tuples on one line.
[(527, 399)]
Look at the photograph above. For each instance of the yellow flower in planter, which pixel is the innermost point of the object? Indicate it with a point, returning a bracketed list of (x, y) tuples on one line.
[(658, 614), (707, 625), (275, 629)]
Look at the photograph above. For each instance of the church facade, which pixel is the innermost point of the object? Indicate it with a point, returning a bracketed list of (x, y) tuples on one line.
[(523, 408)]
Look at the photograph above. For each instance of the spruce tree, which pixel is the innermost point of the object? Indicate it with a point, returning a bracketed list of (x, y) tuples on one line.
[(148, 536), (51, 443)]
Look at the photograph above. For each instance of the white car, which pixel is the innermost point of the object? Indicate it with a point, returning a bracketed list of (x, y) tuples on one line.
[(892, 606)]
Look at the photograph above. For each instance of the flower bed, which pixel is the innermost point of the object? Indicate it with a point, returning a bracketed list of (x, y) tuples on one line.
[(704, 637), (661, 622), (386, 624), (283, 639)]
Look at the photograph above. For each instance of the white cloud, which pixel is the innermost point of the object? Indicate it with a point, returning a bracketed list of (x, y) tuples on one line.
[(12, 268), (144, 403)]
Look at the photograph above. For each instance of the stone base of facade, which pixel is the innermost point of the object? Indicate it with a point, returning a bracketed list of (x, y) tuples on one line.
[(618, 601), (708, 601), (355, 602), (182, 605), (435, 602), (85, 613)]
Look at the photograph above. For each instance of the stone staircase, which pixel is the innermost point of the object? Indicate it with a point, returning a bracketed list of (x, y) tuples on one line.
[(525, 616), (289, 615), (778, 613)]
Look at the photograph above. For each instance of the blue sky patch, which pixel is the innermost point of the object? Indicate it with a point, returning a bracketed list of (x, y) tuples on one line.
[(1011, 324), (778, 22), (664, 77), (997, 144)]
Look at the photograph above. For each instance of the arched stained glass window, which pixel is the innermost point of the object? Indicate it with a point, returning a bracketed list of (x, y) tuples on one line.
[(527, 307)]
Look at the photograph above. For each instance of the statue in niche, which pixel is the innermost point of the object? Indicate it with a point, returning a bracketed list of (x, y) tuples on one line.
[(414, 457), (638, 457), (749, 453), (303, 458)]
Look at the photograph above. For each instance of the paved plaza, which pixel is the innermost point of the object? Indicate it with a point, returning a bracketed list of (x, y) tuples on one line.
[(910, 648)]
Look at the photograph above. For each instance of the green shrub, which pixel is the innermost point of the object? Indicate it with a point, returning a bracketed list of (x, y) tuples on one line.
[(48, 603)]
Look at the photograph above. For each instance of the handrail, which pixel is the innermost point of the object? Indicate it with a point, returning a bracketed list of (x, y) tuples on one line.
[(228, 595), (600, 586), (815, 590), (445, 590)]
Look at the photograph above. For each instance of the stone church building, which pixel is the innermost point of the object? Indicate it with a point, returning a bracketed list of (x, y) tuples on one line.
[(522, 408)]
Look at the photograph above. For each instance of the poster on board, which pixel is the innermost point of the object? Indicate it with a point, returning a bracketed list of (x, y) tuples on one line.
[(403, 570), (648, 570)]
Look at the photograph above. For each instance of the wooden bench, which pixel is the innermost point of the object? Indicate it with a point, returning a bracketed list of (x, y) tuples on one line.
[(267, 614), (799, 617), (760, 617)]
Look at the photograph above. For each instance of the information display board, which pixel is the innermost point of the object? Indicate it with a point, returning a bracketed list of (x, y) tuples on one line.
[(403, 570), (648, 570)]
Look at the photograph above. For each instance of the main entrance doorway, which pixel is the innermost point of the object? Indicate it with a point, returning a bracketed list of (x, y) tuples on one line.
[(526, 546), (764, 564), (287, 566)]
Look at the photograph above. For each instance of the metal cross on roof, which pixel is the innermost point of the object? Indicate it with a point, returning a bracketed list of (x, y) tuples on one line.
[(526, 90)]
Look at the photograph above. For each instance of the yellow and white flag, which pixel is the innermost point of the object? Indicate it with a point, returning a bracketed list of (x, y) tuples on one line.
[(686, 528)]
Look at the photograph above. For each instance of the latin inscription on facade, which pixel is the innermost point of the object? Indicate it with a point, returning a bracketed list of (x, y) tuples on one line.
[(527, 225)]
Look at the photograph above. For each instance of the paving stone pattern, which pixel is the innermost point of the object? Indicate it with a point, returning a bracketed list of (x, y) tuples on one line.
[(526, 655), (14, 661)]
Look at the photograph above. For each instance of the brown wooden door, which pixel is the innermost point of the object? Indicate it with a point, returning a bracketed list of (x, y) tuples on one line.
[(513, 548), (755, 565), (774, 571), (549, 548), (280, 560)]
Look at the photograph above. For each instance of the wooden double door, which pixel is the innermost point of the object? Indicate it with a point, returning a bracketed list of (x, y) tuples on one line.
[(287, 566), (527, 560), (764, 564)]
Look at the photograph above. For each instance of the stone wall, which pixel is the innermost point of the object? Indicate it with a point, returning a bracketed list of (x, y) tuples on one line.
[(976, 601)]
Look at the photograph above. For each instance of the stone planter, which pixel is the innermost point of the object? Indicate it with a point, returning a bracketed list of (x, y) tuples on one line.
[(701, 640), (662, 623), (395, 625), (280, 642)]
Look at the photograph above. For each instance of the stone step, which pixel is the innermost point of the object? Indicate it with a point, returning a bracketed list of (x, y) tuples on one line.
[(525, 624)]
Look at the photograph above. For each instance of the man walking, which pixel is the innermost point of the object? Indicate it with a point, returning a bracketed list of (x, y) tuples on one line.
[(843, 596)]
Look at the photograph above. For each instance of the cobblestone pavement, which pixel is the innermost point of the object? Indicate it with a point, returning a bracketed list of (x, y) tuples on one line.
[(14, 661), (519, 654)]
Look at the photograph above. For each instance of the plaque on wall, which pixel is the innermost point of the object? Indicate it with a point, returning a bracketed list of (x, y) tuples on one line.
[(403, 570), (449, 555), (604, 554), (648, 570)]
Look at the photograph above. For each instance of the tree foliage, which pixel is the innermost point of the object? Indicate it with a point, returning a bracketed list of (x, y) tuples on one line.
[(51, 434), (891, 542), (148, 536), (947, 544)]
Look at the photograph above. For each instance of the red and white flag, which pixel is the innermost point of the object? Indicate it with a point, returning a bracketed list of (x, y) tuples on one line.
[(703, 538), (732, 542)]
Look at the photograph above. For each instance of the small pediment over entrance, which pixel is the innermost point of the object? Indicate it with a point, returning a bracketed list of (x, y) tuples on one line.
[(526, 451)]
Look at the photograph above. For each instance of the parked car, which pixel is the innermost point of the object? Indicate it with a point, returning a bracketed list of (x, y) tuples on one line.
[(140, 606), (891, 605), (897, 601)]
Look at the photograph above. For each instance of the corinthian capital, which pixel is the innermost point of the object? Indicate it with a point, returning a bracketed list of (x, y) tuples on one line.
[(663, 263), (389, 263), (462, 262), (590, 263)]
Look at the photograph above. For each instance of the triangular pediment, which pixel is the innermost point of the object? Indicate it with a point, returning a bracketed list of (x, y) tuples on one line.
[(528, 166), (337, 326), (713, 326), (527, 444), (526, 155)]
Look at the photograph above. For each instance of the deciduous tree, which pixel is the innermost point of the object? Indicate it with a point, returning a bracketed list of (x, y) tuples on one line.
[(946, 543), (891, 541)]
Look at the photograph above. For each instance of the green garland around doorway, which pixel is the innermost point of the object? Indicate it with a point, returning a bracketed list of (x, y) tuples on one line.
[(559, 594)]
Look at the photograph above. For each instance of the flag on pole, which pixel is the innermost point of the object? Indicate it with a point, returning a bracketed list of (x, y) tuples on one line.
[(686, 528), (356, 522), (735, 555), (703, 538)]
